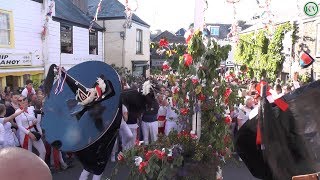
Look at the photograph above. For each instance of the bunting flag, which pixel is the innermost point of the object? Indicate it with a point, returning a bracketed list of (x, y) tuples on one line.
[(48, 17), (129, 10), (95, 18), (305, 60), (234, 34)]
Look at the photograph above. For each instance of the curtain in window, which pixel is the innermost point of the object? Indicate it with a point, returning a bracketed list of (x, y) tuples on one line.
[(4, 29)]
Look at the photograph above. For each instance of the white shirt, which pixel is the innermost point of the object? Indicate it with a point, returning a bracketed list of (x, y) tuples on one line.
[(2, 135), (171, 114), (162, 111), (24, 120), (25, 92), (296, 84), (10, 140)]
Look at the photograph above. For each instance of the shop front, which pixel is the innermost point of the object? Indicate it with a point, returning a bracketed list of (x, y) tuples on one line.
[(139, 68), (15, 69)]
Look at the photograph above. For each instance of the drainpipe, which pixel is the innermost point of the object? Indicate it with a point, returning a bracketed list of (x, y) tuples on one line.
[(123, 47), (103, 41)]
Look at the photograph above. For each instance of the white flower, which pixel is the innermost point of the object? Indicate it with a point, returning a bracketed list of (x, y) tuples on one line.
[(138, 160), (219, 174), (170, 153), (163, 149)]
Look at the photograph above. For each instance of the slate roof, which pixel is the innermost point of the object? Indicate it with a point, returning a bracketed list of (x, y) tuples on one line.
[(172, 38), (111, 9), (224, 30), (66, 11), (181, 32)]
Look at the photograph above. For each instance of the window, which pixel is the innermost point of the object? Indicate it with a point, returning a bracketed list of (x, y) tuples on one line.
[(93, 42), (139, 41), (66, 39), (214, 31), (6, 29)]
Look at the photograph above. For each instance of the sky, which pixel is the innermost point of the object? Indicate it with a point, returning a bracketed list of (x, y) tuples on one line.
[(175, 14)]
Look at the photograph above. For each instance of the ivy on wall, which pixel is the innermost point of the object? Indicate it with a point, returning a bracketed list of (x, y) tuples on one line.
[(263, 56)]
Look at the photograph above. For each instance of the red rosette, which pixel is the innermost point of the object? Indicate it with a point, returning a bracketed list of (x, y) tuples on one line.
[(163, 43), (159, 154), (148, 155), (187, 60), (142, 167)]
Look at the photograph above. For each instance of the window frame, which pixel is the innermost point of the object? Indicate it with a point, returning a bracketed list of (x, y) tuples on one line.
[(68, 25), (97, 43), (212, 30), (11, 38), (139, 51)]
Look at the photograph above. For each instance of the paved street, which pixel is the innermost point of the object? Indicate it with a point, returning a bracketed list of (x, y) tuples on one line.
[(231, 171)]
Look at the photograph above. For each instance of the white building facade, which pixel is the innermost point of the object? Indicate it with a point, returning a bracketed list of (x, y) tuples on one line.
[(26, 54)]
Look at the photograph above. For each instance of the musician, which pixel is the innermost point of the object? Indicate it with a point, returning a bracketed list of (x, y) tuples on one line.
[(27, 122), (149, 118)]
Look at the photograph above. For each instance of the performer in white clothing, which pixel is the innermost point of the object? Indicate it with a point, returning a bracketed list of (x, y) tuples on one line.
[(27, 122), (172, 120), (28, 90), (162, 112)]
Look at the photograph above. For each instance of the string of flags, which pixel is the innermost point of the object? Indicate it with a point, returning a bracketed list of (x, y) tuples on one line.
[(129, 12), (95, 18), (234, 32), (48, 17)]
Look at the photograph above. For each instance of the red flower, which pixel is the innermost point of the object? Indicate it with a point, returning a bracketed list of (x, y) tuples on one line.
[(175, 90), (226, 95), (193, 136), (163, 43), (188, 36), (201, 97), (228, 120), (142, 167), (184, 111), (165, 66), (186, 100), (159, 154), (148, 155), (120, 157), (195, 80), (183, 134), (187, 59)]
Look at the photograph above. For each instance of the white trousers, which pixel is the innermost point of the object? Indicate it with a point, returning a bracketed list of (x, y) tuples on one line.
[(126, 135), (150, 128), (170, 126), (37, 144), (84, 176), (134, 130)]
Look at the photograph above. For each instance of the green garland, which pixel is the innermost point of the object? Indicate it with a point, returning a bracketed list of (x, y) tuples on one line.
[(261, 55)]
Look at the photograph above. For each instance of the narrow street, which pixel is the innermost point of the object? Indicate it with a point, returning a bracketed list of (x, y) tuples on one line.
[(231, 171)]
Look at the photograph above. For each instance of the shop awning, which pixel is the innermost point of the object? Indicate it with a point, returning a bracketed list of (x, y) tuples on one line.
[(21, 71)]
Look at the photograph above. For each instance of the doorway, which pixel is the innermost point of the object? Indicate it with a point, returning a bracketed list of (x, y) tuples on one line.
[(12, 81)]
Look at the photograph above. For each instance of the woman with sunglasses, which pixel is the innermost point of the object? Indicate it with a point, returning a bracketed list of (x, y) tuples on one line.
[(27, 122)]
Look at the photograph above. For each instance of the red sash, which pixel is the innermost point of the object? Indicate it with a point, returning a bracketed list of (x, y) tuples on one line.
[(161, 118), (56, 159), (26, 139)]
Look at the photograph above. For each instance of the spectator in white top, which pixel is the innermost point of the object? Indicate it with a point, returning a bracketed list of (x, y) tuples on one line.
[(28, 90)]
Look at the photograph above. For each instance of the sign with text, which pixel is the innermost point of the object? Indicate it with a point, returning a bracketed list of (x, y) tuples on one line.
[(7, 59)]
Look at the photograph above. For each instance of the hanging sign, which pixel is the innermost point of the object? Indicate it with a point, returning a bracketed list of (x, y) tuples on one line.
[(7, 59)]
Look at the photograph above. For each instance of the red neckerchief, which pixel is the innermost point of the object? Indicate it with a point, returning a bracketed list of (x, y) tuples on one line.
[(29, 90), (25, 110)]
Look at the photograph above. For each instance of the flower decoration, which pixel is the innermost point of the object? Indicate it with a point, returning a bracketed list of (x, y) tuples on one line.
[(187, 60), (138, 161), (142, 167), (226, 95), (188, 35), (165, 66), (184, 111), (201, 97), (163, 42), (228, 120), (195, 80)]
